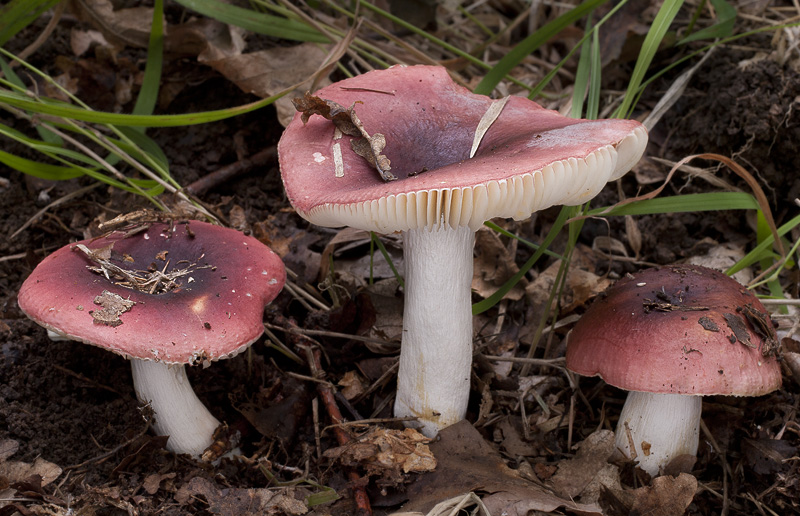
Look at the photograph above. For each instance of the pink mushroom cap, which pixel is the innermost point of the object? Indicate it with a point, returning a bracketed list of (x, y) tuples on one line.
[(529, 159), (681, 329), (214, 311)]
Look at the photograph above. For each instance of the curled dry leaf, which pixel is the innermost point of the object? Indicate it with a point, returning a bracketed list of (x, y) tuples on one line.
[(122, 27), (466, 462), (243, 502), (352, 385), (386, 453), (18, 471), (267, 72), (575, 474), (345, 119), (494, 265)]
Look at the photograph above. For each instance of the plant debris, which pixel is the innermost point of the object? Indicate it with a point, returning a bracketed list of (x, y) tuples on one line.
[(151, 281), (113, 305), (737, 326), (388, 454), (345, 119)]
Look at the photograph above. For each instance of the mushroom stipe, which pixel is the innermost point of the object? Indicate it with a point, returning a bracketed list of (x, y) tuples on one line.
[(525, 159)]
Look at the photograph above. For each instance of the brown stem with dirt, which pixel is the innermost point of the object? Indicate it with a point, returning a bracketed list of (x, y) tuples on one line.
[(226, 173), (326, 393)]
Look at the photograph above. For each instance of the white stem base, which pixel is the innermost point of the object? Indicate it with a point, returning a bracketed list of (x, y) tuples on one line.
[(660, 427), (177, 411), (436, 354)]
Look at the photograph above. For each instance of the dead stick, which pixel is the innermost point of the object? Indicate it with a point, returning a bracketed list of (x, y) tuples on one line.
[(363, 507), (220, 176), (313, 356)]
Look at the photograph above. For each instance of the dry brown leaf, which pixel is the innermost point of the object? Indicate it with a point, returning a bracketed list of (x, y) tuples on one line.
[(647, 172), (81, 40), (387, 453), (266, 72), (152, 482), (575, 474), (388, 304), (513, 442), (8, 447), (369, 147), (493, 266), (468, 463), (352, 385), (667, 496), (124, 27), (243, 502), (17, 471), (582, 283), (722, 257)]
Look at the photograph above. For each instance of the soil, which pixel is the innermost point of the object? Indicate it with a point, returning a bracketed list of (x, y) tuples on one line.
[(73, 405)]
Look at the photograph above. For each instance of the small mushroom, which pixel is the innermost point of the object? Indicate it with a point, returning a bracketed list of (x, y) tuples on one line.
[(529, 159), (165, 296), (670, 336)]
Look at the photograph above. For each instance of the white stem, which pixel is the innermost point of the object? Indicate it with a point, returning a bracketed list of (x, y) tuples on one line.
[(660, 427), (177, 411), (436, 353)]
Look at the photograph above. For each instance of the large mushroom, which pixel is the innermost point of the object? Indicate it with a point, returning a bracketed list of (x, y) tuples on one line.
[(529, 159), (162, 295), (670, 336)]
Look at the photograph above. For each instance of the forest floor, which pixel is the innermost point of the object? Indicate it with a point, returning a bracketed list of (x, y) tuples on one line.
[(73, 439)]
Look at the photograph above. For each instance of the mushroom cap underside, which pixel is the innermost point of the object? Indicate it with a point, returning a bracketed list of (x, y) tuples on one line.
[(210, 306), (530, 158)]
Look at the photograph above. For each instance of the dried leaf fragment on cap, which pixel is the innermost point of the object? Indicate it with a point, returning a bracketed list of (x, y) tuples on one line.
[(345, 119), (113, 305)]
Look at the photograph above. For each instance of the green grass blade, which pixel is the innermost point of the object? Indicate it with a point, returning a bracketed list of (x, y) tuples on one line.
[(726, 14), (658, 29), (552, 73), (148, 94), (386, 256), (763, 248), (712, 201), (64, 110), (18, 14), (582, 75), (146, 144), (37, 169), (494, 227), (14, 80), (254, 21), (531, 43), (593, 100)]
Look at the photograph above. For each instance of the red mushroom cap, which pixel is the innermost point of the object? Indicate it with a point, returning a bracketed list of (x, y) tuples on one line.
[(681, 329), (214, 309), (529, 159)]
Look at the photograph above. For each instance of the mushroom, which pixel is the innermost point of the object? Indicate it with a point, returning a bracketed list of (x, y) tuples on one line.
[(530, 158), (162, 295), (670, 336)]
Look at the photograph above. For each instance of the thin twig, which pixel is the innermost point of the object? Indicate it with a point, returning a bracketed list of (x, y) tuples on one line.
[(325, 391), (86, 380), (112, 451), (57, 202), (228, 172), (542, 362), (325, 333)]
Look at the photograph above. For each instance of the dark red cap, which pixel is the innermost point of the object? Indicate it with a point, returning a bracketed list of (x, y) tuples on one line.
[(222, 282), (680, 329)]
